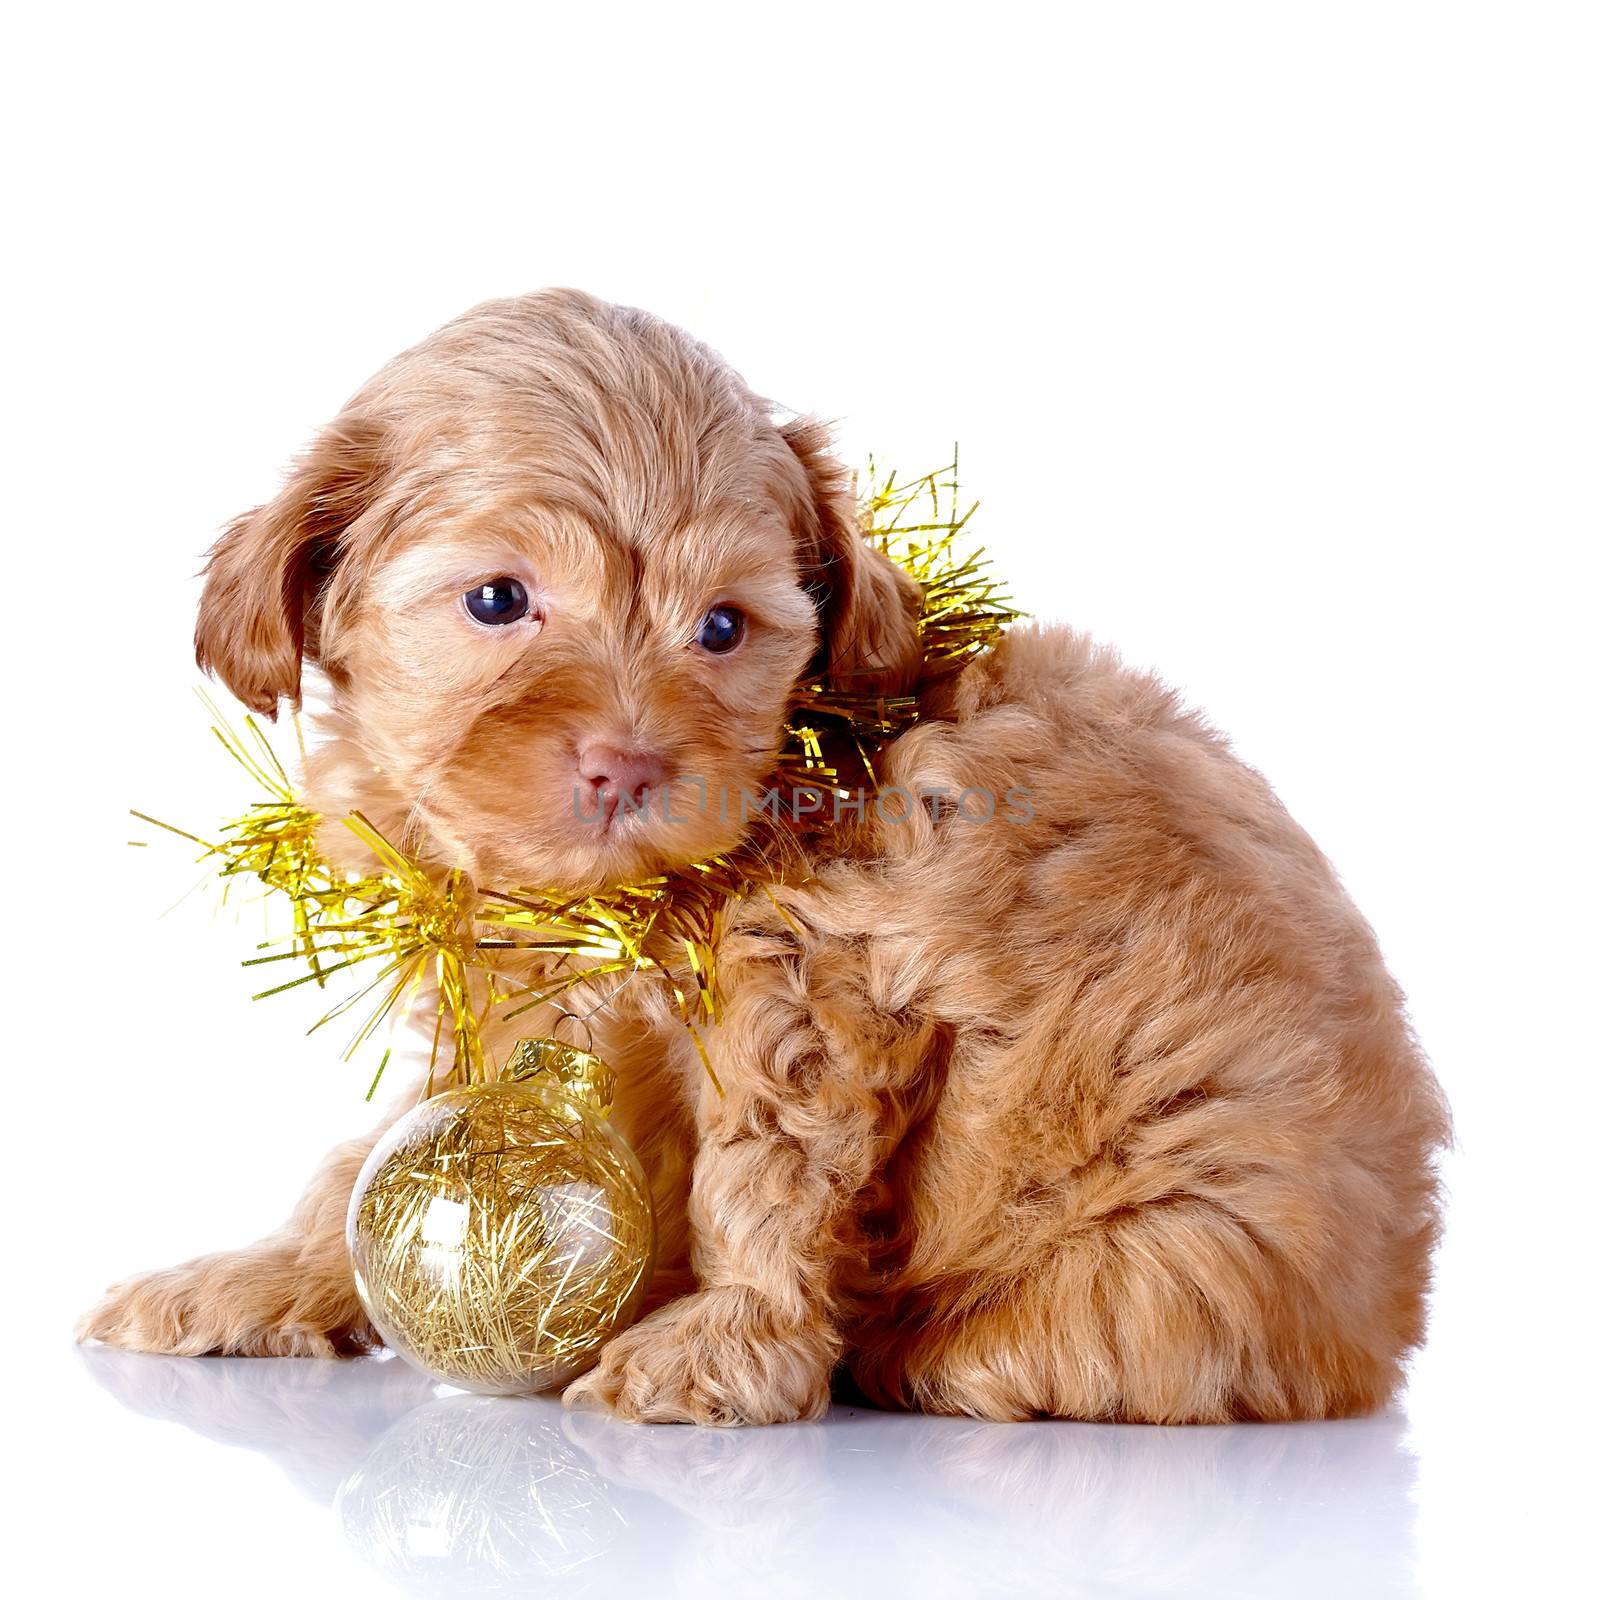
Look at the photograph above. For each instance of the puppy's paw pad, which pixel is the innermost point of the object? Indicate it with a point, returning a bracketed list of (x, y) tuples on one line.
[(713, 1358), (245, 1303), (144, 1313)]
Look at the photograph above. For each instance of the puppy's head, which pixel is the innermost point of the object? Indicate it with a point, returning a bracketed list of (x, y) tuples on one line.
[(562, 572)]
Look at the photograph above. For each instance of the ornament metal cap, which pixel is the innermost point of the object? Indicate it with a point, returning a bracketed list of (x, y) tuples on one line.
[(578, 1073)]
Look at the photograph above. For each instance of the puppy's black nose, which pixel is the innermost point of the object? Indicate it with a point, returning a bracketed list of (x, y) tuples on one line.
[(616, 773)]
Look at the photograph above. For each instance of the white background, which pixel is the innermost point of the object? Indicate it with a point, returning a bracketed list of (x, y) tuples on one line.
[(1269, 334)]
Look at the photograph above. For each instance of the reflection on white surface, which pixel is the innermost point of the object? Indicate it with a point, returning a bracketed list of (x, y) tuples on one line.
[(477, 1494), (446, 1493)]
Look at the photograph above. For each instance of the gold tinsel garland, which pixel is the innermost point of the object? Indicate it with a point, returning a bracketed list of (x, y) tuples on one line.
[(413, 922)]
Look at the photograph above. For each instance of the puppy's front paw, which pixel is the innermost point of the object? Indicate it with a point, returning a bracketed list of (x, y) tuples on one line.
[(717, 1357), (269, 1300)]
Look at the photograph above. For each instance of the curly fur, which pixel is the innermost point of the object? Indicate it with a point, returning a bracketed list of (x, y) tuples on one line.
[(1113, 1113)]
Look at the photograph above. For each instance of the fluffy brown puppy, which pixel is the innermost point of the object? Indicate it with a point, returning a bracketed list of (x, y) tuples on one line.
[(1109, 1112)]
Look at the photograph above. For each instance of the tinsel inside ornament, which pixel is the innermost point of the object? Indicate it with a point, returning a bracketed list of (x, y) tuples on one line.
[(501, 1233)]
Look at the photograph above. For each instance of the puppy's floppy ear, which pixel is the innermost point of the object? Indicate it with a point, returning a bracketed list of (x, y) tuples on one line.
[(259, 613), (867, 607)]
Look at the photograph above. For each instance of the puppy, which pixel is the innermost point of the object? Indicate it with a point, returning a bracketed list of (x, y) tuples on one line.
[(1103, 1109)]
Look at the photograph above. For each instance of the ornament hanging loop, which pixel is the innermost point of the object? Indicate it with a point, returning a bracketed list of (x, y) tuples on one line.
[(576, 1020)]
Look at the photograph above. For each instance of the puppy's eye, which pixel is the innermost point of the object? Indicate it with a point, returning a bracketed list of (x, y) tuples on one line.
[(498, 601), (721, 629)]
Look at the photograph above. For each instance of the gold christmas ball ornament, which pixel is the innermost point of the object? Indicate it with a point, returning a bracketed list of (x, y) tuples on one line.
[(501, 1233)]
